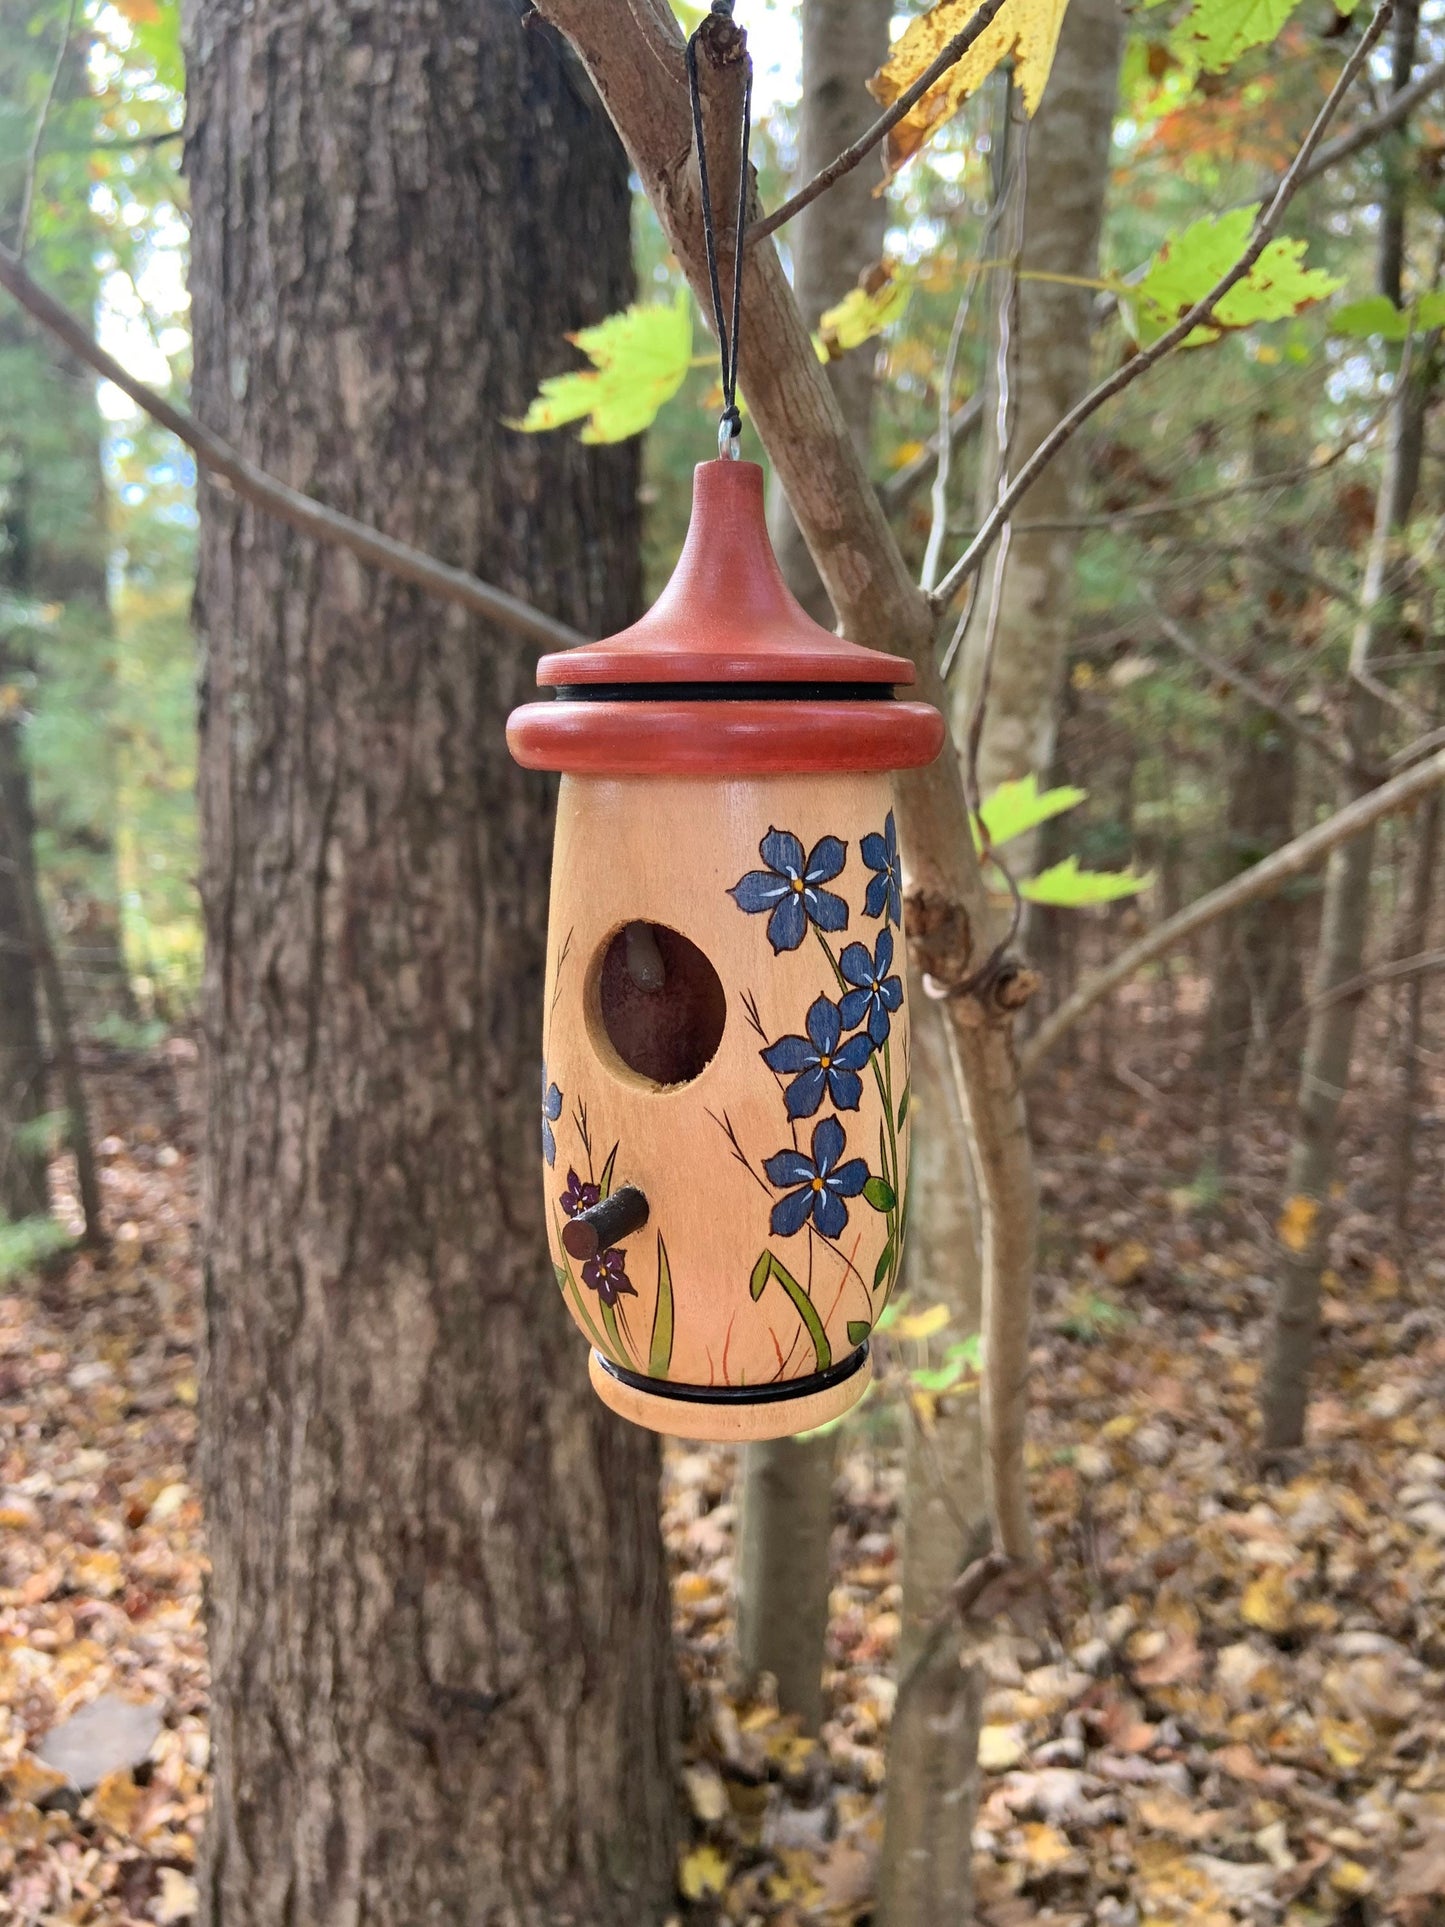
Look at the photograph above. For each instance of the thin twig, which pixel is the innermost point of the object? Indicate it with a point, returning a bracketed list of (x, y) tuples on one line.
[(898, 488), (1207, 498), (276, 498), (844, 163), (1267, 876), (1239, 679), (37, 139), (1396, 109), (943, 439), (1264, 230)]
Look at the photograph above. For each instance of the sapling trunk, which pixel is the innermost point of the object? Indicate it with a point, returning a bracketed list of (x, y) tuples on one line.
[(783, 1572)]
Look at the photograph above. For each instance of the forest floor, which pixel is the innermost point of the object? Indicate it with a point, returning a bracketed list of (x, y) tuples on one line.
[(1237, 1712)]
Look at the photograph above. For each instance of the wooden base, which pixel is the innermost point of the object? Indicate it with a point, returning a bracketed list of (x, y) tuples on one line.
[(729, 1421)]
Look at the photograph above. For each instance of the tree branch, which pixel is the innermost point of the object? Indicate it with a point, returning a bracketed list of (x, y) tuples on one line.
[(898, 489), (1396, 109), (1261, 881), (276, 498), (37, 139), (1318, 741), (1265, 228), (948, 56)]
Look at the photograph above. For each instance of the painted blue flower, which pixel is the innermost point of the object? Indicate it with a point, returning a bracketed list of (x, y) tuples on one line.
[(885, 889), (818, 1063), (789, 888), (875, 993), (822, 1183), (551, 1111)]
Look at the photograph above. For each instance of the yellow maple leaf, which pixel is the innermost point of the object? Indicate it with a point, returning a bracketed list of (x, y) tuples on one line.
[(922, 1324), (703, 1873), (1269, 1601), (1345, 1741), (863, 312), (1027, 29), (1297, 1221)]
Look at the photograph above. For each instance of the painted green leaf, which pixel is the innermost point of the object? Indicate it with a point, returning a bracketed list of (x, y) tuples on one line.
[(881, 1269), (604, 1184), (879, 1193), (1189, 264), (659, 1353), (903, 1104), (1377, 316), (614, 1335), (1068, 887), (858, 1330), (770, 1267), (561, 1274), (762, 1270), (639, 361), (1016, 807), (1214, 33)]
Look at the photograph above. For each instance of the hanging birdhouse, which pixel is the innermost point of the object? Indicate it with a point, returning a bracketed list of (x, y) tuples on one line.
[(726, 1086)]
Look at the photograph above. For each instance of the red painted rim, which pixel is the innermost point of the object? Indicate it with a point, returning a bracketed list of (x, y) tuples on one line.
[(813, 737)]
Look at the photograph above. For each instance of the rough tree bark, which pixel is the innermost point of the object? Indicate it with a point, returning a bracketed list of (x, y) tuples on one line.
[(925, 1867), (1066, 183), (439, 1620), (1329, 1044), (787, 1486)]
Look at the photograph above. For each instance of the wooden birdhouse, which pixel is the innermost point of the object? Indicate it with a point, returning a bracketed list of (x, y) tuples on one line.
[(725, 1090)]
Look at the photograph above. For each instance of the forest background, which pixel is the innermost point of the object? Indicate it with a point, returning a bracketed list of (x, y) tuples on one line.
[(1216, 629)]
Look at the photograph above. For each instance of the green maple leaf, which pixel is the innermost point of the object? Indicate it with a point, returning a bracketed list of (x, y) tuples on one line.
[(1377, 315), (1189, 264), (1067, 886), (639, 359), (1021, 805), (1214, 33)]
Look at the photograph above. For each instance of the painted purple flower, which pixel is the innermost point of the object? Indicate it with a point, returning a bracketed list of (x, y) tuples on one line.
[(606, 1274), (874, 992), (818, 1062), (789, 888), (822, 1183), (885, 888), (551, 1111), (579, 1195)]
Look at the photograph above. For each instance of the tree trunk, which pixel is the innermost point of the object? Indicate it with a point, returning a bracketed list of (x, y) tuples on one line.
[(53, 433), (1257, 977), (1067, 179), (439, 1619), (24, 1185), (932, 1784), (1414, 937), (838, 236), (1325, 1070), (787, 1489)]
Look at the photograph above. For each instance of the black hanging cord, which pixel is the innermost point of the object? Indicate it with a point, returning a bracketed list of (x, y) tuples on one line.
[(730, 423)]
